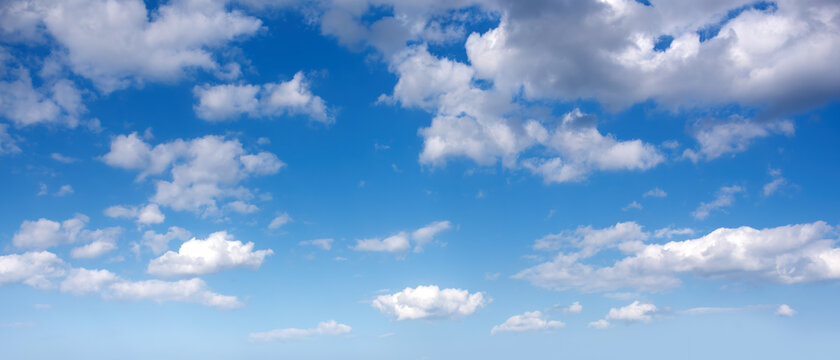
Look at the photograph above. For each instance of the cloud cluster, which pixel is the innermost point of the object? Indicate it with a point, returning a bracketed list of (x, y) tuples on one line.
[(146, 215), (112, 287), (216, 253), (202, 171), (429, 302), (293, 97), (44, 233), (324, 328), (786, 254)]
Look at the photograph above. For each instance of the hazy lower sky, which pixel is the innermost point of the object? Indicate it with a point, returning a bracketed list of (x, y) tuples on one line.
[(396, 179)]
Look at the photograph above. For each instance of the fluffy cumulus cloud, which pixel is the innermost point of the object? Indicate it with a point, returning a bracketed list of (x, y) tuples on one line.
[(216, 253), (293, 97), (529, 321), (324, 328), (54, 102), (785, 310), (31, 268), (201, 171), (112, 287), (636, 312), (429, 302), (786, 254), (44, 233), (400, 243), (117, 43)]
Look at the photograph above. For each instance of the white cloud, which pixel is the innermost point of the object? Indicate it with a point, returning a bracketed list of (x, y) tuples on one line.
[(324, 328), (724, 198), (158, 243), (655, 192), (600, 324), (44, 233), (197, 257), (787, 254), (203, 170), (279, 221), (112, 287), (56, 102), (115, 44), (429, 302), (64, 190), (529, 321), (242, 207), (401, 241), (293, 97), (624, 235), (102, 241), (635, 312), (575, 308), (323, 244), (426, 234), (397, 243), (785, 310), (63, 159), (8, 145), (31, 268), (719, 137), (774, 185), (632, 205), (669, 232)]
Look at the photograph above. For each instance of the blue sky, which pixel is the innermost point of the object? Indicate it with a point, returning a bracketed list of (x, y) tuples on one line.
[(378, 179)]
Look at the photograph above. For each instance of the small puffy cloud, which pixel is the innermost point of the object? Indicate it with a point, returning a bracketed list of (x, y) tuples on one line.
[(429, 302), (31, 268), (56, 102), (293, 97), (82, 281), (426, 234), (774, 185), (785, 310), (655, 192), (787, 254), (279, 221), (575, 308), (632, 205), (323, 244), (64, 190), (600, 324), (725, 197), (397, 243), (216, 253), (242, 207), (146, 215), (201, 171), (158, 243), (529, 321), (733, 135), (324, 328), (635, 312)]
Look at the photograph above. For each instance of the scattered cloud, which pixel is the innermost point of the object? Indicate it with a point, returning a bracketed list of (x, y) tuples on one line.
[(32, 268), (293, 97), (529, 321), (774, 185), (401, 241), (785, 310), (734, 135), (146, 215), (64, 190), (158, 243), (44, 233), (63, 159), (324, 328), (632, 205), (279, 221), (725, 197), (323, 244), (655, 192)]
